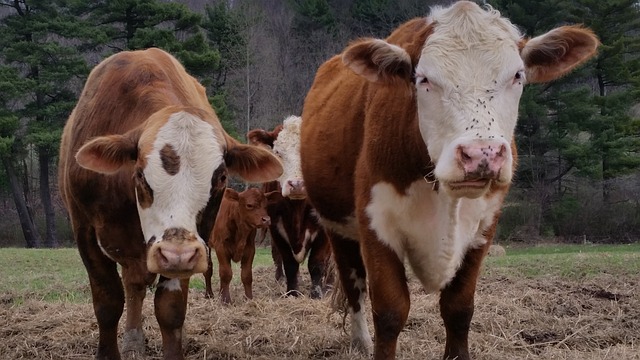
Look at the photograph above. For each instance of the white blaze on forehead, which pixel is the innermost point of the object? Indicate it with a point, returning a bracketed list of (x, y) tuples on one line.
[(178, 198), (287, 148), (468, 65)]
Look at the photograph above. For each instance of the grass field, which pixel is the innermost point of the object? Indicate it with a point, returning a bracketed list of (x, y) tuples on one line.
[(566, 302), (58, 275)]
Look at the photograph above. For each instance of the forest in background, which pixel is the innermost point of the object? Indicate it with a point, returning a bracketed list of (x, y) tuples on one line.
[(578, 177)]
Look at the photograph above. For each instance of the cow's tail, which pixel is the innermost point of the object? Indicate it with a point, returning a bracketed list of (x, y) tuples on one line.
[(338, 298)]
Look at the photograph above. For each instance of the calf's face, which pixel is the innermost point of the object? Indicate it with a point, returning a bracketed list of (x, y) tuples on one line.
[(177, 161), (251, 205), (468, 77)]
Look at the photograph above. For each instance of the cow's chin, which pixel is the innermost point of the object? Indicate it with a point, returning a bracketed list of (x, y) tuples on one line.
[(471, 189), (177, 274)]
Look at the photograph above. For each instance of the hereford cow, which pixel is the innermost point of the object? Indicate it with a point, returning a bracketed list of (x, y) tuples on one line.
[(143, 165), (233, 237), (294, 228), (408, 151)]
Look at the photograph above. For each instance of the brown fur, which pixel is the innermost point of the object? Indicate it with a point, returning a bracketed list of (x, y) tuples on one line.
[(356, 133), (233, 237), (124, 102)]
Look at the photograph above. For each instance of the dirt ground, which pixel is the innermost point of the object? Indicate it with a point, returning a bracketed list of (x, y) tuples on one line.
[(515, 318)]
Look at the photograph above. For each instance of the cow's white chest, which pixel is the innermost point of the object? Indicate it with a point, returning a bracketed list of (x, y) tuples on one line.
[(430, 229)]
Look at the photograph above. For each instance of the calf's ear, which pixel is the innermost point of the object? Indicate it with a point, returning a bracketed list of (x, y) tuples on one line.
[(378, 61), (231, 194), (273, 196), (109, 154), (252, 163), (557, 52)]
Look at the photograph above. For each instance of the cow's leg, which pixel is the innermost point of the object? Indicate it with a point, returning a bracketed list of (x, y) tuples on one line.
[(291, 266), (170, 309), (389, 294), (246, 264), (456, 304), (106, 291), (208, 293), (352, 277), (317, 263), (277, 260), (136, 279), (225, 273)]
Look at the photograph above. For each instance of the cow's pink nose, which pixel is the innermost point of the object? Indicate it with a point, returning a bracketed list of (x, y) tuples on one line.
[(296, 189), (185, 258), (482, 159), (266, 220)]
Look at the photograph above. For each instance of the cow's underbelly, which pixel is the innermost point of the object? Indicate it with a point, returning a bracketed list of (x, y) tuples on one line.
[(430, 229)]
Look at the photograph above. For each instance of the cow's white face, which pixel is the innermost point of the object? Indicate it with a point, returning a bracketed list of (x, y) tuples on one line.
[(469, 80), (287, 148), (179, 169)]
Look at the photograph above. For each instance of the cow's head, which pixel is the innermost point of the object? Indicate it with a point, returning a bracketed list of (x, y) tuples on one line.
[(469, 71), (179, 160), (285, 142), (252, 205)]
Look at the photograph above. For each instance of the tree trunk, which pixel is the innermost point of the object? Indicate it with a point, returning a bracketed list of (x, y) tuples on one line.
[(29, 231), (51, 240)]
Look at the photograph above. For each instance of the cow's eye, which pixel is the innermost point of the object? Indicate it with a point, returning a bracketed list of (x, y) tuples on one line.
[(250, 206), (518, 77)]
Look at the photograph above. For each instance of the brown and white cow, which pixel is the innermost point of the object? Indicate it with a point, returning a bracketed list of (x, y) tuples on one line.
[(295, 231), (233, 237), (143, 165), (408, 147)]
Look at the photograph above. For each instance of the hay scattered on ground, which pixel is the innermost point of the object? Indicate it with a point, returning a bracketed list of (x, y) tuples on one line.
[(515, 318)]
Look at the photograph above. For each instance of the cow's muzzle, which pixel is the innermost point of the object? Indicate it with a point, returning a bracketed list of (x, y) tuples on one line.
[(179, 254)]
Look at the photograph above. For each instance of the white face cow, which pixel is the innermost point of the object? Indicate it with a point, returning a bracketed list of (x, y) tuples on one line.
[(287, 148)]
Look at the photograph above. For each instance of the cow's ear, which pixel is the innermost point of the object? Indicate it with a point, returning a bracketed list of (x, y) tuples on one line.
[(555, 53), (231, 194), (378, 61), (109, 154), (273, 196), (252, 163), (259, 137)]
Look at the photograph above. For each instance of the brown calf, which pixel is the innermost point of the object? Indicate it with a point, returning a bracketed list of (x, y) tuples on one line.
[(233, 237), (143, 165)]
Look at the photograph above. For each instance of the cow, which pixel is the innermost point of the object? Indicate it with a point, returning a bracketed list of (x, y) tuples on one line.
[(407, 152), (233, 237), (144, 162), (295, 231)]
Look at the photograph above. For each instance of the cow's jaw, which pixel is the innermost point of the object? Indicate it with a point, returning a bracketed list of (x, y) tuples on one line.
[(169, 222), (467, 101)]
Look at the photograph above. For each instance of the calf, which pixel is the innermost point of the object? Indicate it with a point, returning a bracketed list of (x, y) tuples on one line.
[(295, 231), (407, 149), (233, 237), (143, 165)]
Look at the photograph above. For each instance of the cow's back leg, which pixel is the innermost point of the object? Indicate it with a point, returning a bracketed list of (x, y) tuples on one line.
[(246, 264), (106, 291), (208, 292), (136, 279), (317, 263), (389, 293), (352, 275), (170, 309), (456, 304)]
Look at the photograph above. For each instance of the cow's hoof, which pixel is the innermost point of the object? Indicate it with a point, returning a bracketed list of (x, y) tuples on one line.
[(294, 293), (316, 292), (362, 345), (133, 344)]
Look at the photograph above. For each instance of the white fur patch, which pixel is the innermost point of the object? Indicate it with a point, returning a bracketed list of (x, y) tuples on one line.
[(467, 90), (171, 285), (287, 148), (104, 251), (430, 229), (178, 198), (360, 337)]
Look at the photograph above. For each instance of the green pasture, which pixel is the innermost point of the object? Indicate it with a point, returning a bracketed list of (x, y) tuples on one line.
[(58, 274)]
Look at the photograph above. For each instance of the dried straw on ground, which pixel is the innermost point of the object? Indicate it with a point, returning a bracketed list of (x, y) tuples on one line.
[(515, 318)]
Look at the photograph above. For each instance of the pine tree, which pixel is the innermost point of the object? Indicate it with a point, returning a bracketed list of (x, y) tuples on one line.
[(37, 40)]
